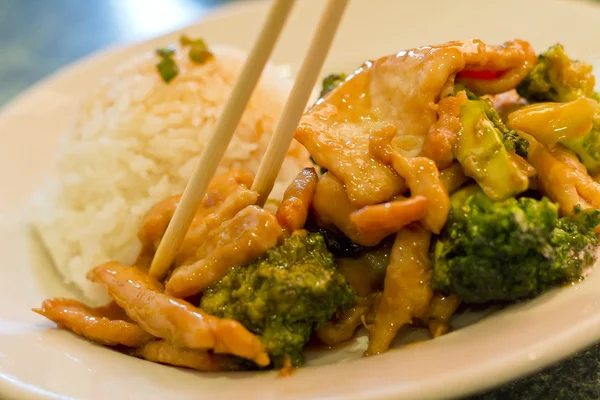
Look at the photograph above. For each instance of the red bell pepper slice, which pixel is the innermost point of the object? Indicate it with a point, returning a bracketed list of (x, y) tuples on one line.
[(483, 75)]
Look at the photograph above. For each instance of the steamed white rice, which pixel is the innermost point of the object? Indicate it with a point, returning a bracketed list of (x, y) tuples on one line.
[(135, 142)]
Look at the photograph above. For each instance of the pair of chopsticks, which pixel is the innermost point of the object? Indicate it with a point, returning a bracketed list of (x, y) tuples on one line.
[(229, 119)]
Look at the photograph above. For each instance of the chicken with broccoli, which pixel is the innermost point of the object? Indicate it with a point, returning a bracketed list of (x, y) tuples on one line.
[(445, 175)]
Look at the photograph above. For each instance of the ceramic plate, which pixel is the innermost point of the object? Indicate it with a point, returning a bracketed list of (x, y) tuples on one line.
[(37, 361)]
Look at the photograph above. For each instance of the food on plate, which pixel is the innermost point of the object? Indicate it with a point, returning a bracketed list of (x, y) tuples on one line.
[(100, 324), (440, 310), (198, 53), (392, 96), (487, 152), (406, 289), (161, 351), (511, 249), (455, 174), (556, 78), (284, 295), (135, 142), (331, 81), (143, 299)]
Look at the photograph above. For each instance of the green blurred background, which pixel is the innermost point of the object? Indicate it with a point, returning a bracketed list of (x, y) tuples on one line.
[(40, 36)]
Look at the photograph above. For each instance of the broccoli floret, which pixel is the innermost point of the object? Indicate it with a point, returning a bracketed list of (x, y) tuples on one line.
[(511, 250), (285, 295), (510, 138), (513, 142), (557, 78), (587, 147), (482, 151), (331, 81)]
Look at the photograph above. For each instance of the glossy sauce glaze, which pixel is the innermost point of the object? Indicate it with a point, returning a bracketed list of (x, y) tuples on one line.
[(399, 92)]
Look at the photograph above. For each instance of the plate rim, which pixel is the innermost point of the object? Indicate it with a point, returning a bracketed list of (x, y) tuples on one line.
[(561, 348)]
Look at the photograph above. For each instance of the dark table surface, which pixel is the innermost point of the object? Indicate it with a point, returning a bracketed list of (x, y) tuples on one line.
[(40, 36)]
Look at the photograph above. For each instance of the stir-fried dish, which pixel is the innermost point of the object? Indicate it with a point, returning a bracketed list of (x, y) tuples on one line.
[(455, 174)]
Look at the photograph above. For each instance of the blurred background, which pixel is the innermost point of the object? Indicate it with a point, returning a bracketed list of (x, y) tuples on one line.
[(40, 36)]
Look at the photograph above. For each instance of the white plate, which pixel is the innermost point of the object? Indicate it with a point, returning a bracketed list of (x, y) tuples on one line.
[(39, 362)]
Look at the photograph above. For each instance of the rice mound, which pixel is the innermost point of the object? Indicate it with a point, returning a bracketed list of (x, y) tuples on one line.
[(135, 142)]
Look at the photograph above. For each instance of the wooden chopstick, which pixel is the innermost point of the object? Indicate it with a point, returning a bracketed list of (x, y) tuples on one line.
[(301, 91), (215, 148)]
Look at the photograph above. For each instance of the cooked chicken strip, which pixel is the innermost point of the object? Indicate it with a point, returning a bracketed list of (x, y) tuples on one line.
[(453, 177), (513, 60), (343, 327), (219, 202), (507, 102), (562, 178), (335, 137), (366, 273), (207, 226), (421, 175), (332, 207), (566, 156), (407, 290), (157, 219), (522, 164), (440, 310), (387, 218), (93, 324), (153, 228), (297, 200), (441, 138), (112, 311), (173, 319), (401, 90), (227, 194), (237, 241), (163, 352), (551, 123)]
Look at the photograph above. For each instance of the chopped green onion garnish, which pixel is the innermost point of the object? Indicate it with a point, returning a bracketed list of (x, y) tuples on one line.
[(199, 56), (166, 51), (186, 41), (167, 69), (199, 53)]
